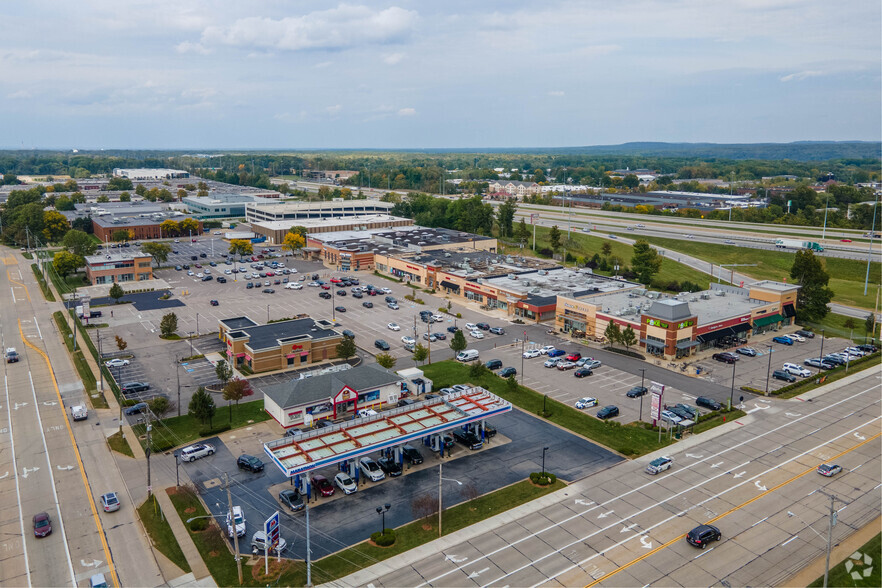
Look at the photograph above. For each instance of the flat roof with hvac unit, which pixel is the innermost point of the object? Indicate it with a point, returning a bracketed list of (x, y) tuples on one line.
[(353, 439)]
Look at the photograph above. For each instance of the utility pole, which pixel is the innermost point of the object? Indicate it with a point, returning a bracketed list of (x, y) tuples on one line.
[(235, 534), (832, 523), (178, 374), (147, 452), (100, 357), (440, 464), (308, 552), (429, 340)]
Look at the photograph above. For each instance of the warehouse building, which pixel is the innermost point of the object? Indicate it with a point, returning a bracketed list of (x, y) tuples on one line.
[(275, 231), (150, 173), (297, 211), (220, 204)]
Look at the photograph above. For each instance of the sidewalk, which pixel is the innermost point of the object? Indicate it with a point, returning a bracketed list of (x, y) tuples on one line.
[(200, 570)]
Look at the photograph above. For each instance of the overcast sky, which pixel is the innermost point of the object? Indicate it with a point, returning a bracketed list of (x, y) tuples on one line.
[(406, 74)]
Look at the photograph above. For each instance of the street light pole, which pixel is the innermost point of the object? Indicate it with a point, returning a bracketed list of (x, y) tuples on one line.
[(544, 449), (732, 391), (381, 510), (821, 358), (832, 523), (197, 324), (769, 370), (523, 350), (178, 375)]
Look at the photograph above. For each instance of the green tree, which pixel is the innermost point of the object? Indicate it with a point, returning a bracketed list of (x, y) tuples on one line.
[(458, 342), (66, 263), (102, 199), (237, 389), (79, 243), (168, 325), (385, 360), (420, 353), (630, 181), (505, 216), (646, 262), (202, 406), (346, 348), (125, 197), (159, 406), (511, 383), (159, 251), (814, 295), (116, 292), (64, 203), (241, 247), (606, 249), (628, 337), (870, 325), (141, 190), (119, 236), (119, 184), (554, 238), (522, 233), (613, 333), (224, 372)]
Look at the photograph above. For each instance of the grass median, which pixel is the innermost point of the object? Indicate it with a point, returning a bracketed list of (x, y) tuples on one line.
[(47, 291), (79, 360), (161, 533), (120, 444)]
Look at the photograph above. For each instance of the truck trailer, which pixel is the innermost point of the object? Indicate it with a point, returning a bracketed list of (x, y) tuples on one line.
[(797, 244)]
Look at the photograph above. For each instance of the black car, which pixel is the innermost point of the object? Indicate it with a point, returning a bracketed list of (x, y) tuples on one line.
[(357, 295), (608, 412), (489, 430), (583, 372), (782, 375), (806, 334), (367, 304), (134, 387), (221, 280), (725, 357), (468, 439), (249, 285), (390, 299), (340, 308), (207, 278), (867, 348), (250, 463), (325, 295), (680, 412), (701, 535), (452, 329), (203, 255), (389, 466), (179, 268), (507, 372), (341, 292), (348, 333), (493, 364), (636, 391), (292, 499), (709, 403), (483, 326), (406, 402), (380, 344), (440, 336), (213, 302), (412, 454), (834, 359), (268, 291), (186, 266)]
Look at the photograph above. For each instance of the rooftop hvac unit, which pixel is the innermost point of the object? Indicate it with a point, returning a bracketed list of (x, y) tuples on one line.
[(705, 296), (535, 290), (543, 272), (720, 293), (693, 299), (526, 282)]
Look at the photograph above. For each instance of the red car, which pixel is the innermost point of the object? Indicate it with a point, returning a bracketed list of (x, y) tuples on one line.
[(575, 356), (326, 286), (322, 484), (270, 274), (193, 240), (42, 524), (845, 240), (336, 280), (253, 258)]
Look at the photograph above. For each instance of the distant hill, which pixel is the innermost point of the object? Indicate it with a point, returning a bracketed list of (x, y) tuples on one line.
[(798, 151)]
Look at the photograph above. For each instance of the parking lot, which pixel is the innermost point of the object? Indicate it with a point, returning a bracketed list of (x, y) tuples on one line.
[(340, 521)]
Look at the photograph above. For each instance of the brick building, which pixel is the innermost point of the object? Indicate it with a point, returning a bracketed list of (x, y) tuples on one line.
[(119, 267)]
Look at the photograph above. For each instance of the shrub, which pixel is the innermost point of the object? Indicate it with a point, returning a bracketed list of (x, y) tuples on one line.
[(459, 315), (540, 480), (198, 525), (384, 539)]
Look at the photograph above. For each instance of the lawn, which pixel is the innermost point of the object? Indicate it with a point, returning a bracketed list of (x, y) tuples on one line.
[(846, 275), (47, 292), (841, 574), (631, 440), (837, 325), (180, 430), (120, 444), (161, 534), (80, 363)]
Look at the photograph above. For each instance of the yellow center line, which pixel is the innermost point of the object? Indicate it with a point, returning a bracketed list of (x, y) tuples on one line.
[(14, 281), (728, 512), (77, 453)]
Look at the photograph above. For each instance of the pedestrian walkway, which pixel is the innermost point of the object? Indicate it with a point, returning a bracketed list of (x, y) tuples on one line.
[(194, 558)]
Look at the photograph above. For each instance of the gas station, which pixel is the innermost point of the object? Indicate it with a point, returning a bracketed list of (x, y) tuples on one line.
[(421, 424)]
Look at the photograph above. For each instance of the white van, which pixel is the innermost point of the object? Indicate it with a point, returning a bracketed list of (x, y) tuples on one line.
[(467, 355)]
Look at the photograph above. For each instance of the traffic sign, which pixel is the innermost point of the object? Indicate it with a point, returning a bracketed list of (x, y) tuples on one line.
[(271, 528)]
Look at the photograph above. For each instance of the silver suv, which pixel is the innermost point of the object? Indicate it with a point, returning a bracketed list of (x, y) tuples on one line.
[(194, 452)]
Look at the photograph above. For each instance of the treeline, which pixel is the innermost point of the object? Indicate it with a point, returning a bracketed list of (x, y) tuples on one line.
[(463, 214)]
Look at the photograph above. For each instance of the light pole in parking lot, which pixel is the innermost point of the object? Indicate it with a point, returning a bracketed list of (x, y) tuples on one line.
[(523, 350), (642, 380), (769, 370), (267, 313), (821, 358), (544, 449), (732, 390), (381, 510), (441, 479), (197, 324)]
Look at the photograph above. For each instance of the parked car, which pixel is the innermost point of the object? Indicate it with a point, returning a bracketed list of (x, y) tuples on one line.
[(820, 363), (546, 349), (806, 334), (292, 498), (136, 408), (782, 375), (796, 337), (380, 344), (708, 403), (259, 543), (868, 348), (483, 326), (691, 410), (110, 502), (116, 363), (829, 470), (134, 387), (684, 414), (586, 402), (783, 340), (196, 451), (508, 371), (493, 364), (393, 327), (531, 353), (408, 340), (701, 535), (670, 417), (389, 466), (322, 485), (796, 370), (550, 363), (636, 391), (42, 524), (659, 465), (607, 412), (370, 469), (574, 356), (583, 372), (440, 336), (556, 353), (367, 304), (236, 522), (497, 330), (749, 351), (452, 329), (250, 463), (393, 305), (476, 334), (340, 308), (725, 357), (468, 439), (345, 483), (412, 454)]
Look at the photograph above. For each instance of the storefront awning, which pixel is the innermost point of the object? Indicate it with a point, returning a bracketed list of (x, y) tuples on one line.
[(742, 328), (687, 344), (714, 335), (449, 285), (789, 311), (651, 343), (767, 320)]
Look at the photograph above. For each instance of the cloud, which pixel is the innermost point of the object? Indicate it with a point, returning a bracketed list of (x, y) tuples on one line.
[(338, 28), (323, 64), (335, 109), (19, 95), (393, 58), (557, 93), (407, 112), (188, 47), (801, 75)]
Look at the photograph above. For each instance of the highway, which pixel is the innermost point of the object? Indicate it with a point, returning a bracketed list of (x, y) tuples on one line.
[(755, 479), (49, 463)]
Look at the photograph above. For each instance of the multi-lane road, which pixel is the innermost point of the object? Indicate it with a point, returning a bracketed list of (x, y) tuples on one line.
[(755, 480)]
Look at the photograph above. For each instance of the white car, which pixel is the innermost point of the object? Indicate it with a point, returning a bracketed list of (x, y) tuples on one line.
[(471, 327), (437, 318), (671, 417), (855, 351), (345, 483), (659, 465), (796, 337), (531, 353), (293, 270), (370, 469), (258, 542), (477, 334), (385, 290), (236, 520), (586, 402), (313, 284), (393, 327), (796, 370), (546, 349), (293, 286), (689, 236), (228, 272), (408, 340), (190, 273), (200, 275), (116, 362)]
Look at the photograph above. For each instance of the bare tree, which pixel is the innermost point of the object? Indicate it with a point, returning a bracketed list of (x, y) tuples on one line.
[(424, 506)]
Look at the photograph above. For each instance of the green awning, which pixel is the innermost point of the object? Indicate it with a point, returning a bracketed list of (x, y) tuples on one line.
[(767, 320)]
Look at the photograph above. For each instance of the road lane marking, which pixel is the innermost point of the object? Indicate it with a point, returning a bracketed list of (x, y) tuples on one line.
[(752, 439), (758, 522), (735, 508), (111, 568), (789, 540), (17, 489), (704, 552)]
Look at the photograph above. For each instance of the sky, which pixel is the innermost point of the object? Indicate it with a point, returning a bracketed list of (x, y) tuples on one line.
[(217, 74)]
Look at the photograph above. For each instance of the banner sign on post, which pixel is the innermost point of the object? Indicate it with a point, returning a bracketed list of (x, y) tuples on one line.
[(657, 390)]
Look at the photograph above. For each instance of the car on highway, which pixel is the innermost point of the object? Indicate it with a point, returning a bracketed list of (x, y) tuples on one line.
[(116, 363), (583, 372), (110, 502), (380, 344), (371, 469), (42, 524), (292, 498), (829, 470), (845, 240), (729, 242), (748, 351), (783, 340), (636, 391), (708, 403), (196, 451), (236, 522), (393, 327), (701, 535), (507, 372), (586, 402), (659, 465), (249, 463), (412, 454), (345, 483), (725, 357), (322, 485), (135, 387), (782, 375), (796, 370), (608, 412), (389, 466), (531, 353)]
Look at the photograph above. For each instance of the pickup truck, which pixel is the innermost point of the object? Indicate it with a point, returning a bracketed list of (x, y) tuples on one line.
[(11, 355), (79, 412)]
